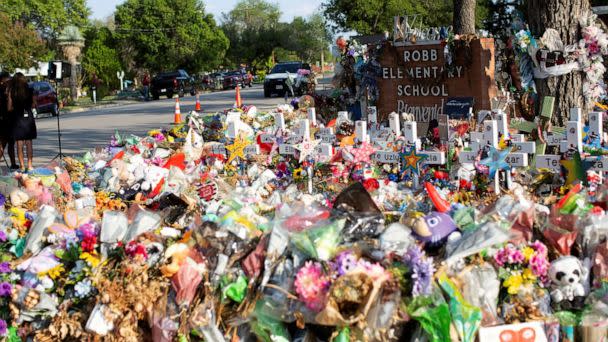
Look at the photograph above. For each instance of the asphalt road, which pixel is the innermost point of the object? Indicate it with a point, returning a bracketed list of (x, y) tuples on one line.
[(86, 130)]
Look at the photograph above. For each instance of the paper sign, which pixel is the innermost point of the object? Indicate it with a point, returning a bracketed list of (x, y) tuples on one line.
[(548, 161), (286, 149), (386, 157), (327, 138), (251, 150), (326, 130), (458, 107), (372, 115), (324, 150), (490, 133), (467, 157), (267, 138), (525, 147), (574, 134), (218, 149), (517, 159), (599, 164), (528, 332), (554, 139), (596, 124), (433, 158)]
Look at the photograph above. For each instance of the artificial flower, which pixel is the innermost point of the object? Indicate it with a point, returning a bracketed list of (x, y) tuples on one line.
[(92, 259), (54, 272), (513, 283), (312, 285), (3, 327), (5, 267), (83, 288), (422, 270), (5, 289)]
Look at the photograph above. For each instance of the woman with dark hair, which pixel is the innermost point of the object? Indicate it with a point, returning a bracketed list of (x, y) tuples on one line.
[(20, 104), (5, 122)]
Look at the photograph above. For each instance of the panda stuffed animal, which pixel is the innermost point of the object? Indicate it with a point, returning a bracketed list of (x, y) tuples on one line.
[(569, 279)]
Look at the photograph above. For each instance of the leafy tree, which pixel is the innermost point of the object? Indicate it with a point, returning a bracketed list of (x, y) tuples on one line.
[(169, 34), (376, 16), (101, 57), (308, 37), (20, 46), (254, 32), (48, 17)]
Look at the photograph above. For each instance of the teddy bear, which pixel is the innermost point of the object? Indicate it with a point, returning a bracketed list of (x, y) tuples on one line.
[(568, 277)]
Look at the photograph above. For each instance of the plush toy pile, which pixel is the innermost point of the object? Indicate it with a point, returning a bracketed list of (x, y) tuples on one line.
[(243, 226)]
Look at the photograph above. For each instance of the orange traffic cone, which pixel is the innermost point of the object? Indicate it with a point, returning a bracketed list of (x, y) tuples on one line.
[(238, 102), (177, 118), (197, 107)]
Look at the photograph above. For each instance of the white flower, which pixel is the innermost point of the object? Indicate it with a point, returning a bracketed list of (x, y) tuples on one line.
[(83, 288), (47, 282)]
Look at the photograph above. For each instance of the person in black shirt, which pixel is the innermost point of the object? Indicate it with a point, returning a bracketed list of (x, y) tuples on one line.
[(5, 123), (23, 128)]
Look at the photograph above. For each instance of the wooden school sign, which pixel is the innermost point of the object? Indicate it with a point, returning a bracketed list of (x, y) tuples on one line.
[(416, 80)]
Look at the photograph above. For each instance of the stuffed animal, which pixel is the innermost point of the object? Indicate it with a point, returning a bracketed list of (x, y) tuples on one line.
[(568, 277)]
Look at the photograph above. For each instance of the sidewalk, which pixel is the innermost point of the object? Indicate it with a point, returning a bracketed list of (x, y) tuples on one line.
[(100, 105)]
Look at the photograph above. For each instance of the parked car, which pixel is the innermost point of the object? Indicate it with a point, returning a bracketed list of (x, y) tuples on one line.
[(170, 83), (212, 81), (274, 83), (231, 79), (45, 98)]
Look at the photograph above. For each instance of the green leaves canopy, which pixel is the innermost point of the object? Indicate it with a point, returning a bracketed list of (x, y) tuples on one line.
[(169, 34), (20, 46), (48, 17), (376, 16), (100, 56)]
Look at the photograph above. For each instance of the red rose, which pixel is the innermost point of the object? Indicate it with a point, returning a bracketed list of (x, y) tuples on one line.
[(371, 184)]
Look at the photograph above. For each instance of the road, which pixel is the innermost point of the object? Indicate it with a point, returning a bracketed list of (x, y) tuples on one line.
[(87, 130)]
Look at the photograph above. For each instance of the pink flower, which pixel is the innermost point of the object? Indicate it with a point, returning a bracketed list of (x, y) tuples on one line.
[(539, 265), (312, 285), (540, 248)]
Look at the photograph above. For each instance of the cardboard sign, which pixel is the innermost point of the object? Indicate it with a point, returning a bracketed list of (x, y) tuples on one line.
[(414, 79), (252, 150), (458, 107), (599, 164), (267, 138)]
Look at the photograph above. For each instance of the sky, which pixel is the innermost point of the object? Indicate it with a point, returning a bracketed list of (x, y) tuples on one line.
[(290, 8)]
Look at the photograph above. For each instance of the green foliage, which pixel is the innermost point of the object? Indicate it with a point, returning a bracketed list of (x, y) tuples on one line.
[(169, 34), (376, 16), (101, 57), (254, 32), (20, 46), (308, 37), (48, 17)]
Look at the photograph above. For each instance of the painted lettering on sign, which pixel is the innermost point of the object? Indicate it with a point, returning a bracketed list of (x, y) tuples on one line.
[(386, 157), (415, 79)]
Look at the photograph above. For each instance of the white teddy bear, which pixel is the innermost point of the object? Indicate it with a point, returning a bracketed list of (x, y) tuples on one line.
[(569, 277)]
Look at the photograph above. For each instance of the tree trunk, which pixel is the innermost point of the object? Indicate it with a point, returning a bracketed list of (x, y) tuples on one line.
[(464, 16), (561, 15), (73, 82)]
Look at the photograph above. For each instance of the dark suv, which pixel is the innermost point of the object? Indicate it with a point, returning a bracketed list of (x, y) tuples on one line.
[(275, 80), (170, 83)]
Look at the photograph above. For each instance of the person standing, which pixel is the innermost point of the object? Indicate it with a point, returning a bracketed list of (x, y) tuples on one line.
[(5, 123), (23, 129), (146, 83)]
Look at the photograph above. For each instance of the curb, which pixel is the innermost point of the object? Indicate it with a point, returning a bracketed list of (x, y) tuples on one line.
[(86, 109)]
